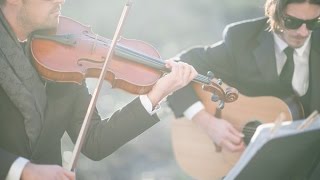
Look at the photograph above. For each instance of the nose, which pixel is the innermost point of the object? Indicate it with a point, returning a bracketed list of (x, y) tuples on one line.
[(303, 30)]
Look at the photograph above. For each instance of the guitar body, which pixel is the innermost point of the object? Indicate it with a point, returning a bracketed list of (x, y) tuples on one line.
[(196, 153)]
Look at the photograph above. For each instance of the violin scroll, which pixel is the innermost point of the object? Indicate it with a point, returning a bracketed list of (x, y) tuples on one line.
[(223, 95)]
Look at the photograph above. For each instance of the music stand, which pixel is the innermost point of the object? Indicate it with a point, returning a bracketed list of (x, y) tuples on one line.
[(286, 154)]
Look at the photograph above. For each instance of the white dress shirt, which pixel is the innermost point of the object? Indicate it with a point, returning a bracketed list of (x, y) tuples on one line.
[(300, 79)]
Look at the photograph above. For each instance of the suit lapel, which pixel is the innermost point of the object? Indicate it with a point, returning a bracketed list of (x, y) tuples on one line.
[(314, 71), (265, 56)]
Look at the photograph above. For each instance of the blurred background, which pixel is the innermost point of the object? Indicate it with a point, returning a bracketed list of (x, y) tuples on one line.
[(170, 27)]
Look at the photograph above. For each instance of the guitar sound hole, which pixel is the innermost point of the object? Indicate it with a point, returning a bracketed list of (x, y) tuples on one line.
[(249, 129)]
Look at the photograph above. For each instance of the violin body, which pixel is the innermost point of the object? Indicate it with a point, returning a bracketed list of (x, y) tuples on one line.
[(72, 52)]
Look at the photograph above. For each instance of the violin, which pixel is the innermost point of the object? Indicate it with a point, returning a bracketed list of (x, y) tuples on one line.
[(72, 52)]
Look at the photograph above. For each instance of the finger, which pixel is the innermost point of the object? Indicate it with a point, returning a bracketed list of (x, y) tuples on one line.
[(229, 146), (64, 177), (234, 139), (69, 175), (186, 73), (169, 63), (174, 68), (181, 70), (236, 132), (59, 173), (194, 72)]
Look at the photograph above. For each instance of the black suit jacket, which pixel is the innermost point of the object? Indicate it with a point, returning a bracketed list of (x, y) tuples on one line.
[(66, 107), (245, 59)]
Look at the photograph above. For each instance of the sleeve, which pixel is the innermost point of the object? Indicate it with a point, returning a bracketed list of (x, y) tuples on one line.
[(193, 110), (146, 103), (6, 161), (16, 169), (106, 136), (215, 58)]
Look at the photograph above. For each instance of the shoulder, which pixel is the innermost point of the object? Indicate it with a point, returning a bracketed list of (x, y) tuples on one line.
[(256, 22), (316, 34), (246, 29)]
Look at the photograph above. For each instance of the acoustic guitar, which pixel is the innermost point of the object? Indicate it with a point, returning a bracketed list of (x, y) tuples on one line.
[(195, 152)]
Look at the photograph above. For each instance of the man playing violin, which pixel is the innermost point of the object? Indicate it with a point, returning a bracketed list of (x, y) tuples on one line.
[(251, 58), (35, 113)]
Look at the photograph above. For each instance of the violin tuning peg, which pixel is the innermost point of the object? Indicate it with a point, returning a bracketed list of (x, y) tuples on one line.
[(214, 98), (221, 105), (210, 75)]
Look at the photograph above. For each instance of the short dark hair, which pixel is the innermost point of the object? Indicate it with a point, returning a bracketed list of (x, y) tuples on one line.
[(274, 10)]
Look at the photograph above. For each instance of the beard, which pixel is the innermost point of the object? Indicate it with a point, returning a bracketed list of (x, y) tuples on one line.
[(31, 22)]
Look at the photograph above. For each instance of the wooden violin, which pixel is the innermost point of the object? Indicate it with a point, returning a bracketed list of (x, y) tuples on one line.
[(72, 52)]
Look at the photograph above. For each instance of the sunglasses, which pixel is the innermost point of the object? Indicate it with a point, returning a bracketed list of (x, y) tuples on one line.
[(291, 22)]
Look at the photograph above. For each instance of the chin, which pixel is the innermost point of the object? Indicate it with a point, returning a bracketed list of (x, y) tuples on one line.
[(52, 23), (297, 44)]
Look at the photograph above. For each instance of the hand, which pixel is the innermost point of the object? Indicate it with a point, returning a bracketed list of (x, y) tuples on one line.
[(49, 172), (222, 133), (181, 74)]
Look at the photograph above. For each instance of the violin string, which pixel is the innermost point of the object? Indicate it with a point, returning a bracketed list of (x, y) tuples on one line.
[(158, 62), (145, 59), (141, 56), (152, 61)]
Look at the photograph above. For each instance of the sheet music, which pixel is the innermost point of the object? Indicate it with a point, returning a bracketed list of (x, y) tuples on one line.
[(263, 135)]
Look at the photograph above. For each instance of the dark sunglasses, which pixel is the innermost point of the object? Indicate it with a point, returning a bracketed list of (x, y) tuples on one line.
[(291, 22)]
